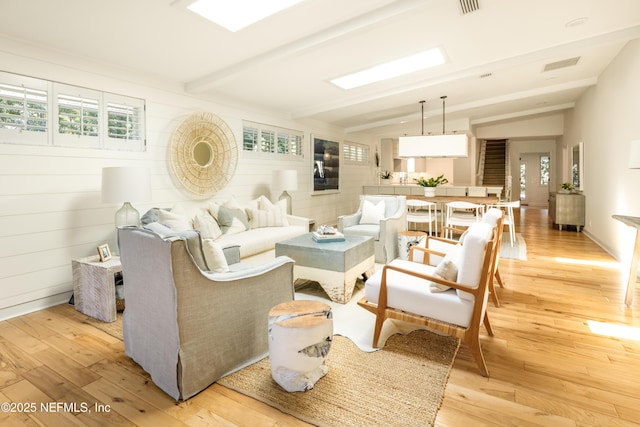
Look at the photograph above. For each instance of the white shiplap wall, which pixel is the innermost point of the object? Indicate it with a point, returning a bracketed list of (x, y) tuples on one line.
[(50, 202)]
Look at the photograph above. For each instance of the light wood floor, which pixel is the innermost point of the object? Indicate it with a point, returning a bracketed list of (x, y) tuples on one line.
[(548, 368)]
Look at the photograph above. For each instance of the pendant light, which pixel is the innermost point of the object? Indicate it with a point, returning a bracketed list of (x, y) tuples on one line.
[(433, 145)]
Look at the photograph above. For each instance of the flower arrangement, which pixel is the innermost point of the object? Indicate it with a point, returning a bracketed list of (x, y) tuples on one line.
[(431, 182)]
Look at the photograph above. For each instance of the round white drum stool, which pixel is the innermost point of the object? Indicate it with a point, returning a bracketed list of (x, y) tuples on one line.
[(406, 239), (300, 334)]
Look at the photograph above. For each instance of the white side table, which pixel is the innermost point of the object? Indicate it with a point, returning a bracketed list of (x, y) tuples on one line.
[(94, 290), (300, 335), (407, 239)]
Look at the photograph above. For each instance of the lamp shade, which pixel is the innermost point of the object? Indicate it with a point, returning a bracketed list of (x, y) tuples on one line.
[(634, 154), (284, 180), (126, 184), (433, 146)]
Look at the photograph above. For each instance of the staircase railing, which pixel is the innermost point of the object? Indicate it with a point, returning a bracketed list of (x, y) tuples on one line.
[(481, 158)]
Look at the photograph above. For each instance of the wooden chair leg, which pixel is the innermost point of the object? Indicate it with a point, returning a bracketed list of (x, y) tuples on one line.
[(497, 275), (380, 317), (494, 295), (487, 325), (474, 346)]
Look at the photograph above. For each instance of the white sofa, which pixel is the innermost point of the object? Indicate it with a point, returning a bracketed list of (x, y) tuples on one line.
[(263, 224)]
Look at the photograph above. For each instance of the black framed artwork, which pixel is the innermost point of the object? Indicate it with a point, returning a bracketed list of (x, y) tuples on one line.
[(326, 165)]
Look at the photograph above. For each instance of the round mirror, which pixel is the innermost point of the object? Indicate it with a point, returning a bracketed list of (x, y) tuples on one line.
[(203, 154)]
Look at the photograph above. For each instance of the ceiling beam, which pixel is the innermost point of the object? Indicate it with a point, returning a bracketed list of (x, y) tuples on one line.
[(486, 102), (305, 43), (525, 113), (526, 58)]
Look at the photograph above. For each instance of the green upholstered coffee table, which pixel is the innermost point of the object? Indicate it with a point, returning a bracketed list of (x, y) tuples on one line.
[(335, 265)]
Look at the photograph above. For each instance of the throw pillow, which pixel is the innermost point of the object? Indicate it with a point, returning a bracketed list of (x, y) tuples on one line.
[(265, 204), (447, 269), (213, 209), (372, 214), (207, 226), (214, 256), (174, 221), (266, 217), (267, 214), (232, 221)]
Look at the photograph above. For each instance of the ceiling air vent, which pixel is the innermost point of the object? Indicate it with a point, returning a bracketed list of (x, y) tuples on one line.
[(561, 64), (468, 6)]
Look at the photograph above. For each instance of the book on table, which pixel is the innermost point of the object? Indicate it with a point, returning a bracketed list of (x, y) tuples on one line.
[(326, 238)]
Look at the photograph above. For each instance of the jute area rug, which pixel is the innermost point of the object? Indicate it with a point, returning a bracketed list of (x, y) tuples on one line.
[(400, 385)]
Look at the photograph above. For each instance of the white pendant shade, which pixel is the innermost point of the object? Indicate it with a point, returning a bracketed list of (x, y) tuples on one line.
[(433, 146)]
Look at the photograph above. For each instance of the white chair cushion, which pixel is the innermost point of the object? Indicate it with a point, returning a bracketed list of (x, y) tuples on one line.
[(491, 216), (412, 294), (366, 230), (472, 257), (372, 214), (438, 246)]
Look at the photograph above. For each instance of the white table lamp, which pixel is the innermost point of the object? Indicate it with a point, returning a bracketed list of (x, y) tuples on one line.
[(285, 180), (126, 184)]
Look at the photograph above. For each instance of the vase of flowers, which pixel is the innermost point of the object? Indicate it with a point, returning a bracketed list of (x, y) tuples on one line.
[(430, 184)]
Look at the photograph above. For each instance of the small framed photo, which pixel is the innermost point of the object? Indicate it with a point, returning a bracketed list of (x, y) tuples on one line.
[(104, 252)]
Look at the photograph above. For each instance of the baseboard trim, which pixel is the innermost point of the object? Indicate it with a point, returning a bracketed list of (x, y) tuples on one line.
[(31, 306)]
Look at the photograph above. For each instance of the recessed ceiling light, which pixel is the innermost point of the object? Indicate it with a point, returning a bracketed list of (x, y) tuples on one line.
[(238, 14), (396, 68)]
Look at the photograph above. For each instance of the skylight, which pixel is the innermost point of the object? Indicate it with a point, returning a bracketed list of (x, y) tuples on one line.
[(389, 70), (238, 14)]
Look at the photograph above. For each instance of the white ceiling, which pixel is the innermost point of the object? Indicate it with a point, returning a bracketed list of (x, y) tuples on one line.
[(285, 62)]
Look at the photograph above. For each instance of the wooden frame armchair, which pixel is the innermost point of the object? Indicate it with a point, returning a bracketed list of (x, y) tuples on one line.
[(403, 290), (494, 217)]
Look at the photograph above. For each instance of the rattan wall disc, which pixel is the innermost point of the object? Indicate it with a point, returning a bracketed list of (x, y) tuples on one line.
[(204, 153)]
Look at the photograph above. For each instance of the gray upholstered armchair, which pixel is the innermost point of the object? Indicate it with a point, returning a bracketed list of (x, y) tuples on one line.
[(381, 223), (188, 327)]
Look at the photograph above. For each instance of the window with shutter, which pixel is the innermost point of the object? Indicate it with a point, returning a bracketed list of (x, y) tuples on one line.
[(124, 122), (261, 138), (36, 111), (296, 144), (24, 110), (78, 116), (267, 141), (250, 138), (356, 153)]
